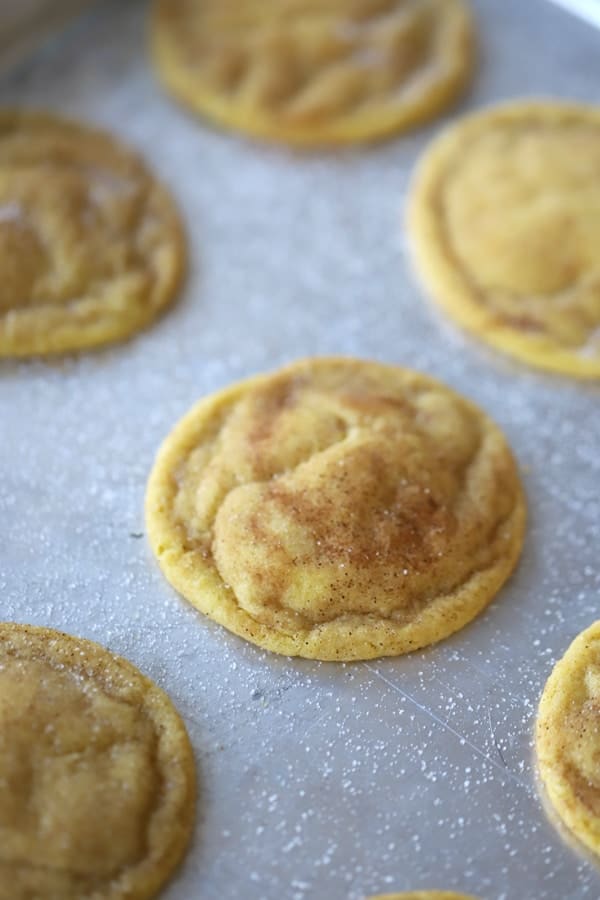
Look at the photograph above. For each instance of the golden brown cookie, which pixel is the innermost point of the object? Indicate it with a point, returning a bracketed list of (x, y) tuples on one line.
[(91, 246), (96, 769), (505, 223), (337, 509), (314, 71), (424, 895), (568, 737)]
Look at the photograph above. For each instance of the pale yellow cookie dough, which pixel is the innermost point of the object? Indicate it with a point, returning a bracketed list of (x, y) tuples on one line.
[(91, 246), (337, 509), (568, 737), (424, 895), (314, 71), (505, 224), (97, 773)]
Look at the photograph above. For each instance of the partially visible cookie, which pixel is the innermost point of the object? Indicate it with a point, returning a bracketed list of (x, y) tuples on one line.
[(424, 895), (568, 737), (91, 245), (505, 224), (97, 773), (337, 509), (308, 72)]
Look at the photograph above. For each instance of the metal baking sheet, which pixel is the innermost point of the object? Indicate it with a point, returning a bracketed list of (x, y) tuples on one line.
[(25, 24), (316, 780)]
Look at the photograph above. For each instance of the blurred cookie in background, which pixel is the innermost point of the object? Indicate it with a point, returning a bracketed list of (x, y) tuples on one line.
[(314, 73), (505, 225), (91, 244)]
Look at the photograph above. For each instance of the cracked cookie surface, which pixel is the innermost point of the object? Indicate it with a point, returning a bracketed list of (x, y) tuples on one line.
[(505, 221), (337, 509), (314, 71), (568, 737), (91, 246), (97, 773)]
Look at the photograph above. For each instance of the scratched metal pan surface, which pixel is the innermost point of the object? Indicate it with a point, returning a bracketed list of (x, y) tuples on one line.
[(316, 780)]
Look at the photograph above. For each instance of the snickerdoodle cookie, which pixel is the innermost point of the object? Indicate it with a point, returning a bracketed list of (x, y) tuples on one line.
[(91, 246), (337, 509), (314, 71), (505, 222), (97, 772), (568, 737)]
